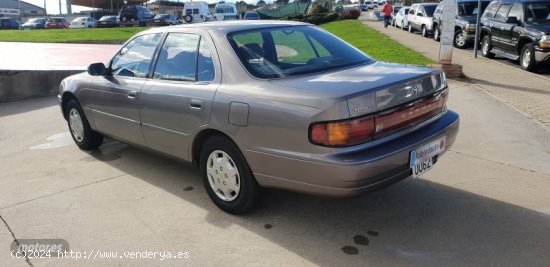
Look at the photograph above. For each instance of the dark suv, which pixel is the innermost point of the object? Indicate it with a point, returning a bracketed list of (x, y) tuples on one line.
[(517, 29), (465, 21), (135, 15), (9, 24)]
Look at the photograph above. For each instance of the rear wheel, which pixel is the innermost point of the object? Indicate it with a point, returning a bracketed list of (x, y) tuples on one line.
[(227, 177), (410, 27), (527, 59), (83, 135), (486, 47), (188, 18)]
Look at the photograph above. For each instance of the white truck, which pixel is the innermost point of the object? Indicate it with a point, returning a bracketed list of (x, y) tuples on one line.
[(196, 11)]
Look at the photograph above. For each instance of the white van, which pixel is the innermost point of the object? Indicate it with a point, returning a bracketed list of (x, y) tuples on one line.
[(196, 11), (225, 11)]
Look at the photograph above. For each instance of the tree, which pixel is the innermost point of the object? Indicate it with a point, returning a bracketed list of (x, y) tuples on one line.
[(281, 2), (261, 3)]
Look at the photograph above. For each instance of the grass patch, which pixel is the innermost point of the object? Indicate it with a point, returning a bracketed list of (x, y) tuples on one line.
[(70, 35), (372, 42), (375, 43)]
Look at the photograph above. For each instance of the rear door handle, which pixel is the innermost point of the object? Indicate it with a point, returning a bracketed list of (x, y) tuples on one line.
[(132, 94), (196, 103)]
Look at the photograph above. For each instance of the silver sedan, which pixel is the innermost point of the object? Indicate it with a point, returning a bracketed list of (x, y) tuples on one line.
[(266, 104)]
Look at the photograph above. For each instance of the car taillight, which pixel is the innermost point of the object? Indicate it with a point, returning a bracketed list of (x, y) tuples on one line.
[(363, 129), (342, 133)]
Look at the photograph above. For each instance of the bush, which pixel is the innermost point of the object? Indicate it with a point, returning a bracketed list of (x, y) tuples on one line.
[(351, 13), (320, 18)]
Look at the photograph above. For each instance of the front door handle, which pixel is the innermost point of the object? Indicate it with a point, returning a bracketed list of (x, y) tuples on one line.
[(196, 103), (132, 94)]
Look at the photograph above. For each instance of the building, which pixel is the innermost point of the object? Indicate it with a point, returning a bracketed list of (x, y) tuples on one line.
[(10, 8)]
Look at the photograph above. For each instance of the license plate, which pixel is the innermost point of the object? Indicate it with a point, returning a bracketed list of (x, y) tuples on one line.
[(422, 159)]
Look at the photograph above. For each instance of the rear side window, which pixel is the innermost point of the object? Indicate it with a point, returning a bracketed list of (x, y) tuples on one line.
[(502, 12), (491, 10), (134, 59)]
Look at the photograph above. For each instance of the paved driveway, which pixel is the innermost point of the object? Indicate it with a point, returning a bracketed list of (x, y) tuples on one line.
[(485, 203)]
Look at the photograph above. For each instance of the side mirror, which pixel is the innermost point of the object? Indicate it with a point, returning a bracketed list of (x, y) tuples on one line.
[(97, 69), (512, 20)]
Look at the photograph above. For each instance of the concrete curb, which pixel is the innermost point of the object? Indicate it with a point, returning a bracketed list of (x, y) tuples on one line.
[(24, 84)]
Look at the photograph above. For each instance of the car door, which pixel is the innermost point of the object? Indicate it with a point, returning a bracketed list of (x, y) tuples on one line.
[(419, 17), (177, 99), (510, 30), (114, 102), (499, 25), (412, 15)]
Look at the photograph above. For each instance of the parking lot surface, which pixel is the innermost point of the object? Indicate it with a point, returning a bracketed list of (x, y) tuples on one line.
[(525, 91), (486, 201)]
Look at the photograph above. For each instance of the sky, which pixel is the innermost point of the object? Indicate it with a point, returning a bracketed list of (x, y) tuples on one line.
[(52, 6)]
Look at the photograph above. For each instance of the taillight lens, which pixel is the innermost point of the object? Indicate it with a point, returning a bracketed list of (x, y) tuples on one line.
[(360, 130), (342, 133)]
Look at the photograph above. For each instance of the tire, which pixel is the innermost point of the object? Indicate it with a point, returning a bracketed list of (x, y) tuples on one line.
[(527, 57), (437, 33), (411, 28), (486, 47), (239, 197), (188, 18), (83, 135), (425, 31), (459, 42)]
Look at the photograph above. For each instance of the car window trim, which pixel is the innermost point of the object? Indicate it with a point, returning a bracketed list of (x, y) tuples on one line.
[(148, 73)]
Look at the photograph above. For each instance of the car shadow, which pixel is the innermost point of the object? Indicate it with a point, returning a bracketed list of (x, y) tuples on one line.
[(414, 222), (26, 105)]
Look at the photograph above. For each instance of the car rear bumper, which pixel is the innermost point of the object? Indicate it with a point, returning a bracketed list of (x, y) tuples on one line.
[(353, 173)]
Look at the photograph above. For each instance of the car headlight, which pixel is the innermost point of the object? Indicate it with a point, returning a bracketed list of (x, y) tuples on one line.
[(544, 41), (470, 27)]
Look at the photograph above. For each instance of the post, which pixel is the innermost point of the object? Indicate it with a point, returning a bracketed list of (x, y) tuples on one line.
[(447, 32), (20, 15), (45, 10), (478, 22), (60, 7)]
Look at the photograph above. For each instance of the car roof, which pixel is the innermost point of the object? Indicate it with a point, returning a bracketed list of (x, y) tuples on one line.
[(231, 26)]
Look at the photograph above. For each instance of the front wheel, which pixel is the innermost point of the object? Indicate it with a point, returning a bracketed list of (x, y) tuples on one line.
[(424, 31), (83, 135), (437, 33), (227, 177), (460, 40), (486, 47), (527, 61)]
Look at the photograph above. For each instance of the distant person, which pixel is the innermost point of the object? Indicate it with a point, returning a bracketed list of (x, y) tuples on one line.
[(387, 10)]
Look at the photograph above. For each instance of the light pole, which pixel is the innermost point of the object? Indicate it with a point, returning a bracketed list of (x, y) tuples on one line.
[(45, 11), (20, 15)]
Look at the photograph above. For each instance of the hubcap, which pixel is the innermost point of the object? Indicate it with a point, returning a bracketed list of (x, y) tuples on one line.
[(526, 58), (485, 47), (437, 34), (460, 40), (223, 175), (77, 128)]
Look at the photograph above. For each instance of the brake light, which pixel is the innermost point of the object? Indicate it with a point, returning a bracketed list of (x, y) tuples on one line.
[(342, 133)]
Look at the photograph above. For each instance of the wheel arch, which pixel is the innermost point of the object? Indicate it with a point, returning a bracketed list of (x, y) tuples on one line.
[(523, 40), (200, 139), (65, 99)]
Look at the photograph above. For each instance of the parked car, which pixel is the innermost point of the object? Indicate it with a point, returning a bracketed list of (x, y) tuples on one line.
[(518, 30), (394, 13), (57, 23), (296, 108), (464, 22), (369, 4), (9, 24), (164, 20), (108, 22), (401, 18), (196, 11), (420, 18), (132, 15), (251, 16), (225, 11), (83, 22), (36, 23)]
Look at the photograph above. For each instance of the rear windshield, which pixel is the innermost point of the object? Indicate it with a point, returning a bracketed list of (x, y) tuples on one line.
[(277, 52)]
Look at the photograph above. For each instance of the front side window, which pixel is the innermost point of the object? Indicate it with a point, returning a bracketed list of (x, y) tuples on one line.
[(188, 11), (470, 8), (491, 10), (516, 11), (135, 58), (294, 50), (178, 58)]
